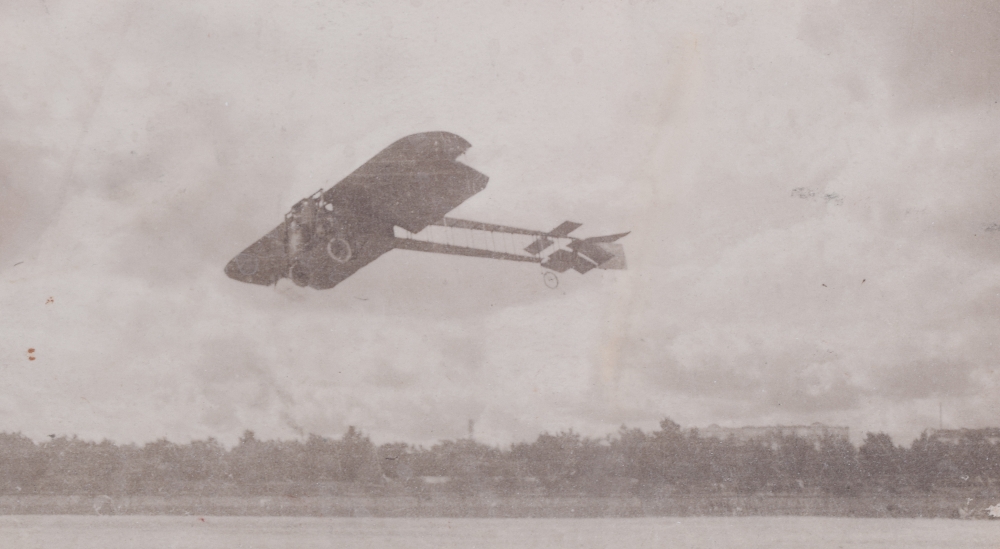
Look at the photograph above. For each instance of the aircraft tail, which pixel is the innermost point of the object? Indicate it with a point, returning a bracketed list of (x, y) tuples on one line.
[(617, 259), (601, 252)]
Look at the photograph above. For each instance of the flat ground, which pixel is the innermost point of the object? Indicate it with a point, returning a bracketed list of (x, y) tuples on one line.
[(192, 532)]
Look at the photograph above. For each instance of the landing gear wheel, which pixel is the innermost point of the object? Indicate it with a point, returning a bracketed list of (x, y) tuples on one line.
[(339, 250), (551, 280)]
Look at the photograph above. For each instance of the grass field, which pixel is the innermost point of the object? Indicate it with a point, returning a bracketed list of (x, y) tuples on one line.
[(155, 532)]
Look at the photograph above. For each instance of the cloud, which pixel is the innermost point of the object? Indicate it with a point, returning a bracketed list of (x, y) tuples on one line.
[(810, 193), (933, 55)]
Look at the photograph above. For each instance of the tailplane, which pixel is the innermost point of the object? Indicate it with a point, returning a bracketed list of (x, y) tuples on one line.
[(582, 255)]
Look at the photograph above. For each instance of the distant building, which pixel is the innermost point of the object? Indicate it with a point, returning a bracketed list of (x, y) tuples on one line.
[(954, 436), (814, 432)]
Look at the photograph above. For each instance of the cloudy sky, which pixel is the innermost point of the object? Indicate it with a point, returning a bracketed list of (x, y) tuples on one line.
[(812, 190)]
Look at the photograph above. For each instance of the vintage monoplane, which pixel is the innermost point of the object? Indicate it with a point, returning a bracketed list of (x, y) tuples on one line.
[(399, 199)]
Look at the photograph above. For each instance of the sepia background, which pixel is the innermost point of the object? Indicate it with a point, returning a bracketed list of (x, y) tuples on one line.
[(811, 189)]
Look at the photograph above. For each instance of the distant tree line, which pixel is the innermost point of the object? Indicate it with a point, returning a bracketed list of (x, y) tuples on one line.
[(631, 462)]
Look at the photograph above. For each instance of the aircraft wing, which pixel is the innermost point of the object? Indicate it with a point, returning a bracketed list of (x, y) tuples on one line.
[(412, 183), (264, 262)]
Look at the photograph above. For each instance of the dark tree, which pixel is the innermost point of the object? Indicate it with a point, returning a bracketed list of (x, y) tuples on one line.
[(880, 461)]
